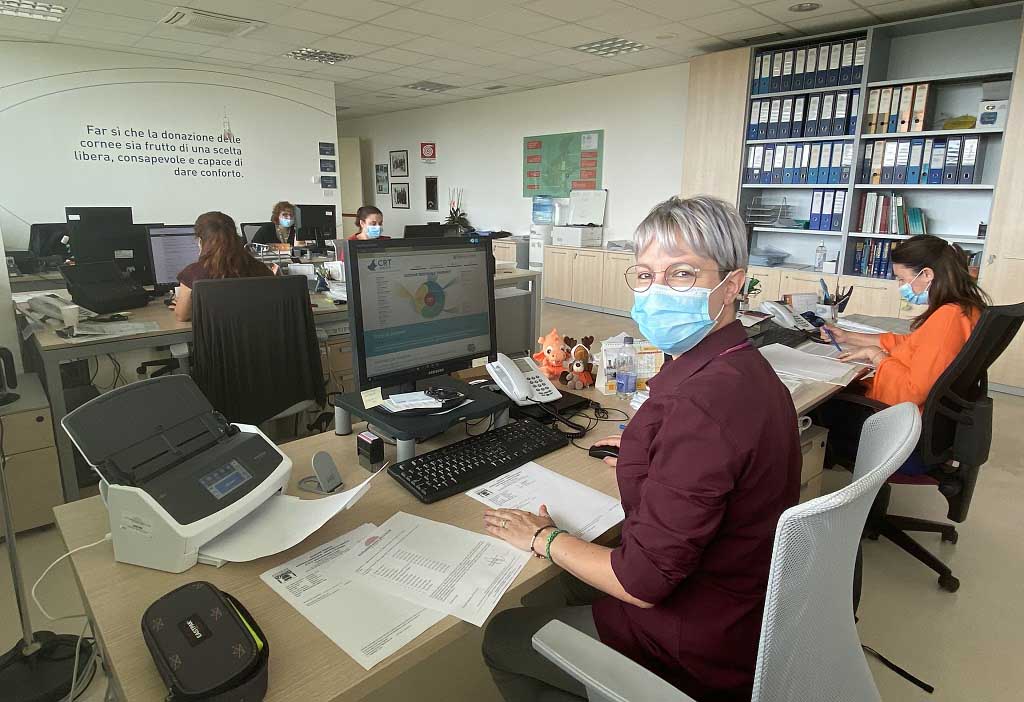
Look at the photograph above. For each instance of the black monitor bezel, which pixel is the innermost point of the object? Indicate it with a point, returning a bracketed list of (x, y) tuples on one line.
[(139, 230), (354, 250), (329, 233)]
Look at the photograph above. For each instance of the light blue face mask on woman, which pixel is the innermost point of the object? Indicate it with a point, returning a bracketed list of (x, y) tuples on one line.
[(674, 321), (373, 230), (286, 222), (914, 298)]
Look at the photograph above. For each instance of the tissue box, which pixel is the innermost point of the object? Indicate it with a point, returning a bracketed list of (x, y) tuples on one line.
[(992, 113)]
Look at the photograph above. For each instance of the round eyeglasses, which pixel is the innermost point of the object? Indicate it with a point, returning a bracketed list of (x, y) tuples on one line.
[(679, 276)]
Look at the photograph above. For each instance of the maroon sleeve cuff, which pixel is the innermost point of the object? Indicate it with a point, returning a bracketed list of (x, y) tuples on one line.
[(637, 573)]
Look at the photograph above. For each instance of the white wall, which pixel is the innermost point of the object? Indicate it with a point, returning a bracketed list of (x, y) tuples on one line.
[(50, 93), (480, 147), (8, 327)]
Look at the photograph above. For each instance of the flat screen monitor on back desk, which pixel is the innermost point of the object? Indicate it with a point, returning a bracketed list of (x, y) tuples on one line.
[(428, 230), (310, 219), (126, 245), (172, 247), (99, 216)]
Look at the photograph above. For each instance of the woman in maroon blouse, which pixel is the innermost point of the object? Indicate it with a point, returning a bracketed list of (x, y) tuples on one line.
[(705, 468)]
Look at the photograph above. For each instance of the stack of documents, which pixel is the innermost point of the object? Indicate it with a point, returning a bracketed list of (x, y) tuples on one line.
[(791, 363), (410, 400)]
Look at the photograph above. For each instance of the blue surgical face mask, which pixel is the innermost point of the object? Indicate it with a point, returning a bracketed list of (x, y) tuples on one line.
[(286, 221), (373, 230), (674, 321), (914, 298)]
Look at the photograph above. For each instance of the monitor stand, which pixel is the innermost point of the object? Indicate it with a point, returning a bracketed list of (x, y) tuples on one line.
[(406, 430)]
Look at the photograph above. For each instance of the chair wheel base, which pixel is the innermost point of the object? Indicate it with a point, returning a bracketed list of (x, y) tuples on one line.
[(951, 537), (949, 583)]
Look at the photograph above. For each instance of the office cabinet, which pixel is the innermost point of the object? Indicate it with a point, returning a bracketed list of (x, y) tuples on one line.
[(769, 279), (615, 294), (558, 263), (805, 282), (587, 277), (812, 448), (341, 375), (504, 250), (30, 456), (876, 297)]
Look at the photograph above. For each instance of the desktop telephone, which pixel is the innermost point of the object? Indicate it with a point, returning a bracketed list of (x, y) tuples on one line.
[(522, 381), (785, 317)]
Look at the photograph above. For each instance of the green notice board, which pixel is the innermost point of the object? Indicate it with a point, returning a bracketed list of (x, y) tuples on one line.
[(554, 164)]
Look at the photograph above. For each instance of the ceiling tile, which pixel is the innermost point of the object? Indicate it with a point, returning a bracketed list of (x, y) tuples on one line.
[(21, 28), (460, 9), (571, 10), (417, 22), (383, 81), (570, 35), (285, 35), (139, 9), (605, 66), (371, 64), (564, 57), (473, 55), (363, 10), (683, 9), (525, 65), (902, 9), (399, 56), (100, 36), (522, 46), (346, 46), (650, 58), (235, 55), (415, 72), (175, 34), (262, 10), (489, 72), (730, 21), (316, 22), (566, 74), (517, 20), (739, 37), (435, 46), (529, 81), (779, 10), (675, 37), (475, 35), (102, 20), (270, 47), (336, 72), (378, 34), (624, 19), (447, 65), (840, 20)]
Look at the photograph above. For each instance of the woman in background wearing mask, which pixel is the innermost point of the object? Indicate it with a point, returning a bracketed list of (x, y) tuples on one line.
[(933, 273), (705, 468), (370, 221), (281, 227)]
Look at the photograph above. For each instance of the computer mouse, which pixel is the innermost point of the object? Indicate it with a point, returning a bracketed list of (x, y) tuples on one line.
[(603, 452)]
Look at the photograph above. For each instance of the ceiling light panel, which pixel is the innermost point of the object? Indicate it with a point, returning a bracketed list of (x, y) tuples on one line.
[(429, 86), (611, 47), (318, 56), (27, 9)]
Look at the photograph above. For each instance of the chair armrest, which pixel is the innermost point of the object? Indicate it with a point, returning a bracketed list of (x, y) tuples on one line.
[(607, 674)]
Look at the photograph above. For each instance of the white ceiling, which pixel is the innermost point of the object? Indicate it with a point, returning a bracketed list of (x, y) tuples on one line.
[(473, 44)]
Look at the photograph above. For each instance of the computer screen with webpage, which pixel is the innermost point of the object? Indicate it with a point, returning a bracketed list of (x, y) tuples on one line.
[(423, 306), (173, 249)]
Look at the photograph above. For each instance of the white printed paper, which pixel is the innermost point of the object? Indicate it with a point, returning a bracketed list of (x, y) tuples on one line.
[(278, 524), (437, 566), (790, 362), (367, 625), (581, 510)]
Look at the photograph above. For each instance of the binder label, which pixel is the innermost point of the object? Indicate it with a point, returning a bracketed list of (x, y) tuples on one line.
[(800, 61), (861, 53), (812, 108), (835, 57)]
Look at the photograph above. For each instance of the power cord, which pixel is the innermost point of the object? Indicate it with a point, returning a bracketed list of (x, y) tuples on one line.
[(50, 567)]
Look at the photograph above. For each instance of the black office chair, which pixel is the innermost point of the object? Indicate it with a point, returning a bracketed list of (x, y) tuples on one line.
[(955, 439), (47, 241), (255, 351)]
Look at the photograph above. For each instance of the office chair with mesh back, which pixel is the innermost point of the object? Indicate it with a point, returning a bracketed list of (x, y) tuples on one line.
[(255, 354), (955, 441), (809, 647), (249, 229)]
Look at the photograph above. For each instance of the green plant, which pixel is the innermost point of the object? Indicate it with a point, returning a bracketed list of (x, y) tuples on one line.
[(456, 215)]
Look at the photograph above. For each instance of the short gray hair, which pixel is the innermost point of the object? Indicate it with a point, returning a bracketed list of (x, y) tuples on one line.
[(708, 226)]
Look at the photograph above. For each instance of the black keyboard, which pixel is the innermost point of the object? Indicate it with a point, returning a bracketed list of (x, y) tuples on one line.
[(473, 461)]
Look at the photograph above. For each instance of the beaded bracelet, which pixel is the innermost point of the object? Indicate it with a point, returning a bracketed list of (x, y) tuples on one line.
[(551, 537), (534, 540)]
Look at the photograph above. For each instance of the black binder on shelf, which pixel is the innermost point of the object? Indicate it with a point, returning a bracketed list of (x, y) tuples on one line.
[(859, 55), (799, 67), (786, 118), (970, 161), (835, 59), (821, 74), (766, 164), (846, 165), (854, 111), (841, 110), (766, 72), (773, 119), (805, 160), (894, 110), (788, 58), (810, 68), (775, 84), (789, 164), (865, 163), (797, 129), (755, 82), (899, 173), (951, 168), (888, 159), (811, 122), (828, 109), (778, 163), (755, 116), (762, 120), (846, 63)]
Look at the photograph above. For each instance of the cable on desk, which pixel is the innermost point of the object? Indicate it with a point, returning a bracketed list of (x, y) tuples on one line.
[(35, 598)]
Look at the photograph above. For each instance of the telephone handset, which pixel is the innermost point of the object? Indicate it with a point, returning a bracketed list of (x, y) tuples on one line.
[(784, 317), (522, 381)]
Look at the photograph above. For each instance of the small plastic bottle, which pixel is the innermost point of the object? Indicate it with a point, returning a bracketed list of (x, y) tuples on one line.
[(820, 254), (625, 370)]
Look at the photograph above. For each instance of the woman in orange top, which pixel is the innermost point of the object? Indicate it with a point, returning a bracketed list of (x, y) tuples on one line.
[(934, 273)]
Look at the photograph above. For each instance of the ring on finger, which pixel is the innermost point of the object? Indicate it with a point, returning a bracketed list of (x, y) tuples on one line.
[(504, 523)]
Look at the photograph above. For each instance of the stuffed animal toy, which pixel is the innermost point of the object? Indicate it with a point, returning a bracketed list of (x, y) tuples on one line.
[(580, 368), (552, 355)]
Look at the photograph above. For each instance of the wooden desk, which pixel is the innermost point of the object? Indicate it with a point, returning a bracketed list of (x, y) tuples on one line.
[(305, 664)]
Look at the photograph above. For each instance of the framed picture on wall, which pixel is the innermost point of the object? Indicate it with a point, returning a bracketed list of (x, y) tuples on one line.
[(400, 196), (399, 163), (380, 170), (432, 193)]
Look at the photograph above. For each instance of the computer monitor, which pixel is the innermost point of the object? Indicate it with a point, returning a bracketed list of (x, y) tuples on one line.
[(99, 216), (418, 307), (126, 245), (172, 248), (430, 230), (312, 218)]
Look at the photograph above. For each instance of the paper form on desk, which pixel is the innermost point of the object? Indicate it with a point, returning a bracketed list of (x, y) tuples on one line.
[(367, 625), (437, 566), (790, 362), (278, 524), (857, 327), (582, 511)]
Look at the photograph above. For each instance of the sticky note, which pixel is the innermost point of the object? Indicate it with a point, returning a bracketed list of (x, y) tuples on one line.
[(481, 361), (372, 397)]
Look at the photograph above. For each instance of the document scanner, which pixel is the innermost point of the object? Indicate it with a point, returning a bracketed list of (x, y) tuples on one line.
[(174, 473)]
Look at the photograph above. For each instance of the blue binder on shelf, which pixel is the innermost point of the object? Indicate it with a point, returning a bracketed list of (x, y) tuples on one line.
[(821, 75), (837, 210), (799, 103), (841, 114), (854, 111), (748, 171), (773, 120), (865, 163), (788, 59), (786, 118), (755, 173), (762, 120), (846, 64), (916, 156), (755, 82), (810, 67), (812, 163), (938, 161), (755, 117), (775, 84), (811, 122), (816, 198), (789, 165), (899, 171), (894, 110), (799, 67), (766, 164), (835, 59), (828, 110), (859, 55), (804, 160), (766, 72), (827, 203), (836, 166), (823, 162), (951, 169), (778, 164)]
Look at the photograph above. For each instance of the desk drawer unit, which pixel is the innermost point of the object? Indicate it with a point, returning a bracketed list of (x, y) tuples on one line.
[(812, 448), (27, 431), (34, 484)]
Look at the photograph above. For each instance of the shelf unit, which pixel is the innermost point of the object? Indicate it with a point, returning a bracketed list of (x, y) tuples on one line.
[(978, 46)]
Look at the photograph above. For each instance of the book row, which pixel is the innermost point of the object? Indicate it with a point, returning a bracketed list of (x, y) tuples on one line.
[(796, 116), (821, 163), (808, 67)]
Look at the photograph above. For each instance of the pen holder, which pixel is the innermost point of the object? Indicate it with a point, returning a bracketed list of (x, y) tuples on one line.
[(830, 313)]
